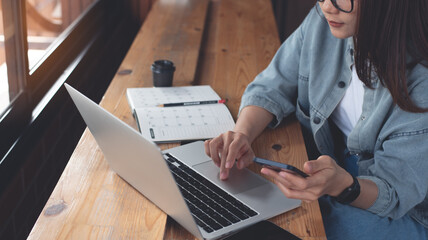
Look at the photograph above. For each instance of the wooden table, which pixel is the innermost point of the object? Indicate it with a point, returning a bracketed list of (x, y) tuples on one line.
[(223, 43)]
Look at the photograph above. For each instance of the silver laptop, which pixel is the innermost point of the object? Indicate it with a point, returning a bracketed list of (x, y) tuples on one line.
[(183, 181)]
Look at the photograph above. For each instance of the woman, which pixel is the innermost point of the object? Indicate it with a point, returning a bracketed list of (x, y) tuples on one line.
[(355, 73)]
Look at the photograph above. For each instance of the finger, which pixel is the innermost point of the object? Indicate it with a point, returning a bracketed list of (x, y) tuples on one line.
[(207, 147), (298, 182), (319, 164), (236, 150), (269, 172), (224, 172), (289, 180), (276, 177), (313, 185), (226, 155), (310, 190), (214, 145), (245, 159), (296, 194)]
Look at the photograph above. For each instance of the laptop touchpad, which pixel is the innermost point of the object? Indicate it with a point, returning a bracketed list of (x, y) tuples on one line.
[(238, 181)]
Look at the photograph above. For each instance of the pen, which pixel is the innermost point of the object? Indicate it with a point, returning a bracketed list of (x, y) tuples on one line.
[(192, 103)]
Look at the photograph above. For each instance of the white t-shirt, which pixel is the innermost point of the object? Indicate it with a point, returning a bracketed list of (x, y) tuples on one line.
[(347, 113)]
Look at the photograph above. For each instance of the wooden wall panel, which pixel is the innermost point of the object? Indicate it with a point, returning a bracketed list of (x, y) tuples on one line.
[(140, 9), (289, 14)]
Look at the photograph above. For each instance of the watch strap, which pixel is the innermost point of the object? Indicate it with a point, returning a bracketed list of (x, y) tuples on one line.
[(350, 193)]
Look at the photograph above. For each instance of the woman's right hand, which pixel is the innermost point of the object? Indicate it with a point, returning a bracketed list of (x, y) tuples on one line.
[(227, 148), (235, 145)]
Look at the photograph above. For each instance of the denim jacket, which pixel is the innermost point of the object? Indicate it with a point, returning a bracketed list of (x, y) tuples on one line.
[(309, 75)]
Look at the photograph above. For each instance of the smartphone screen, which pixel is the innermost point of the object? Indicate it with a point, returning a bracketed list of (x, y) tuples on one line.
[(263, 230), (279, 166)]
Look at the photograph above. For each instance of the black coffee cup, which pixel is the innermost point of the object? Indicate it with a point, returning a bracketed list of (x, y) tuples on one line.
[(163, 73)]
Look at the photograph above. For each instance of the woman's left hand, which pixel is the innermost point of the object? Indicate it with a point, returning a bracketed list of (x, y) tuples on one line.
[(325, 177)]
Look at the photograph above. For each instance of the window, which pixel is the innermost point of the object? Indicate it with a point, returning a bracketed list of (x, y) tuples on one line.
[(46, 20), (8, 90), (39, 39), (4, 85)]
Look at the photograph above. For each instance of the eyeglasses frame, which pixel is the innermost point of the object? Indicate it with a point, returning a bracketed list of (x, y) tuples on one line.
[(337, 6)]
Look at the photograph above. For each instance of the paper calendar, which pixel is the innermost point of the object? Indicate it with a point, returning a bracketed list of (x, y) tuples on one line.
[(168, 124)]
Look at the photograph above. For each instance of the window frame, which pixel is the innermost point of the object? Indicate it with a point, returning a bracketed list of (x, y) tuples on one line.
[(14, 40), (37, 82)]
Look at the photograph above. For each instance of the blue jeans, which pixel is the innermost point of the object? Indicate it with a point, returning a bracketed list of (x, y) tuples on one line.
[(347, 222)]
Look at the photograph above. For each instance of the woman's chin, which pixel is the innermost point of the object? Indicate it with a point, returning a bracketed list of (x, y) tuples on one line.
[(338, 33)]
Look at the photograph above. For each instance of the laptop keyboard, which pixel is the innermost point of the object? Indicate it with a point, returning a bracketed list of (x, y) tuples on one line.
[(211, 207)]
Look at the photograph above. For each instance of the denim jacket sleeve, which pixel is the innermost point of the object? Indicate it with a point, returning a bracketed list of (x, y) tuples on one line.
[(399, 165), (275, 88)]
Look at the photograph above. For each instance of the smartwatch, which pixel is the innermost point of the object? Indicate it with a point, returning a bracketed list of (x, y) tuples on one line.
[(350, 193)]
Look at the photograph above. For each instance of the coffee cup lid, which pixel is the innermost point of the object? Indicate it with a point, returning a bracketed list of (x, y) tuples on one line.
[(163, 65)]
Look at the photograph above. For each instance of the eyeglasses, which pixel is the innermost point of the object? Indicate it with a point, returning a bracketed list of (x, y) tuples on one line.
[(343, 5)]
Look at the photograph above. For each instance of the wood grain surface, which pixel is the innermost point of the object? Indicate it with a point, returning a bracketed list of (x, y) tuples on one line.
[(240, 40), (223, 43)]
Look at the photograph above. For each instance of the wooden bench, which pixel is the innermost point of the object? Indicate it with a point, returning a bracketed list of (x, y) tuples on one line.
[(223, 43)]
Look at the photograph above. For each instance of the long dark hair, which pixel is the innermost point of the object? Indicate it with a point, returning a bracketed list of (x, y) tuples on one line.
[(387, 31)]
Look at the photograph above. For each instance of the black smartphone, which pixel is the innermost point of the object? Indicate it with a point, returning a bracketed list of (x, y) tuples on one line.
[(279, 166), (263, 230)]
